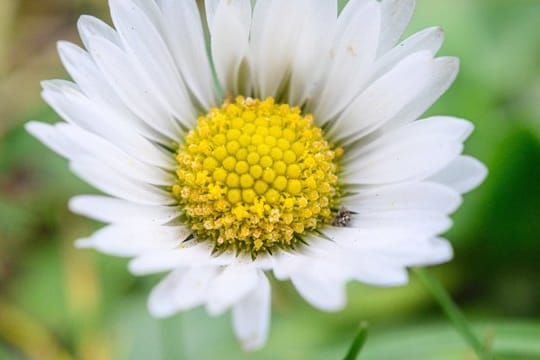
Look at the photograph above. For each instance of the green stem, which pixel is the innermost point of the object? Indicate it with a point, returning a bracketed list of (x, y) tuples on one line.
[(452, 311)]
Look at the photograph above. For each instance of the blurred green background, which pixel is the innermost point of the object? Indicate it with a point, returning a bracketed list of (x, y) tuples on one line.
[(60, 303)]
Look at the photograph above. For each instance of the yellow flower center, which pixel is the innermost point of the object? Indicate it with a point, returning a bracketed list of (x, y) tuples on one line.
[(255, 176)]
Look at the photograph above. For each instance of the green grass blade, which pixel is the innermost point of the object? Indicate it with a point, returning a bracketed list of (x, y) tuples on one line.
[(452, 311), (358, 342)]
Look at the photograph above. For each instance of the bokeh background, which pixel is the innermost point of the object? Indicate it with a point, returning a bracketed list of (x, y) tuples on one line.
[(60, 303)]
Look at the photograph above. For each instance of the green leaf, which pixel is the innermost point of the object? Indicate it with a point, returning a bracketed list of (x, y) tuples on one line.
[(358, 342)]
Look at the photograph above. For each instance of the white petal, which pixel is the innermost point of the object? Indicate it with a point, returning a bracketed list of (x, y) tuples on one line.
[(447, 70), (377, 271), (390, 269), (49, 136), (74, 107), (274, 36), (93, 84), (450, 128), (230, 286), (182, 289), (315, 38), (251, 316), (352, 56), (322, 284), (151, 56), (104, 151), (367, 238), (396, 16), (90, 26), (409, 159), (187, 255), (229, 23), (242, 8), (429, 39), (411, 196), (351, 9), (285, 263), (110, 181), (131, 240), (84, 72), (149, 9), (463, 174), (184, 35), (137, 93), (117, 211), (75, 142), (434, 251), (385, 97), (400, 96), (424, 222), (388, 247), (365, 265), (210, 10), (380, 260)]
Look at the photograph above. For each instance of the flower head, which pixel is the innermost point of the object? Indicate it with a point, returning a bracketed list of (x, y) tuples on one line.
[(255, 177), (302, 156)]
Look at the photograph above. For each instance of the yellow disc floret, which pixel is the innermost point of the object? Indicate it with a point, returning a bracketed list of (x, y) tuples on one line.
[(255, 176)]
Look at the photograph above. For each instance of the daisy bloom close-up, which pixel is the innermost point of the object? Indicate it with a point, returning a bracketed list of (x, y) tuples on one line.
[(252, 139)]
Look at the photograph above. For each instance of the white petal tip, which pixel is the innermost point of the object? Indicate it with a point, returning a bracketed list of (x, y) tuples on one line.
[(158, 313), (214, 310), (84, 243), (47, 85), (483, 173), (133, 268), (479, 173), (439, 251), (400, 278), (399, 281), (159, 309), (83, 19), (445, 252), (62, 45), (333, 308), (76, 204), (251, 345), (451, 61), (34, 127), (138, 268), (392, 277), (439, 30), (73, 205)]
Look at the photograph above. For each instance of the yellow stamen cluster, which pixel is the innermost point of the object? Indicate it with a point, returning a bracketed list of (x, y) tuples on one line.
[(256, 176)]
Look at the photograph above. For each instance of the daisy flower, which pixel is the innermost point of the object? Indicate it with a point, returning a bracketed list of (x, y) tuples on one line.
[(289, 143)]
